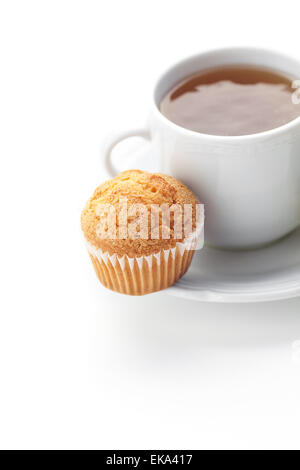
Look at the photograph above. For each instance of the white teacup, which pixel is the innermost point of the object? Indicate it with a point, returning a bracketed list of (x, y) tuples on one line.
[(250, 184)]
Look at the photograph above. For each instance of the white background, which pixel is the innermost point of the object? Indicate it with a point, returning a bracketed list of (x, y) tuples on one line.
[(81, 367)]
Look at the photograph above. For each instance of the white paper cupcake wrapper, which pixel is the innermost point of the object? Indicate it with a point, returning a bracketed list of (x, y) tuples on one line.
[(194, 242), (145, 274)]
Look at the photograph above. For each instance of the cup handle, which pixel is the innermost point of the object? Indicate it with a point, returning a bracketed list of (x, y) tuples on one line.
[(116, 139)]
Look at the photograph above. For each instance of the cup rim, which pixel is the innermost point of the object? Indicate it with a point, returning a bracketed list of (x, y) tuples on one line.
[(277, 131)]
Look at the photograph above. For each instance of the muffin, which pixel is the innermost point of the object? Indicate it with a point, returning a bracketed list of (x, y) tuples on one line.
[(141, 231)]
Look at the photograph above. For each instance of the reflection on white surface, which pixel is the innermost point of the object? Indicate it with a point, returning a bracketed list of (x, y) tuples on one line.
[(182, 363)]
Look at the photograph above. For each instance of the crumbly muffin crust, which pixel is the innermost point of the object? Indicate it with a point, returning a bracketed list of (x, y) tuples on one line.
[(138, 187)]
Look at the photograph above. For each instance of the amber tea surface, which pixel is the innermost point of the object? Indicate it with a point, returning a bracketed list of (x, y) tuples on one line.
[(231, 101)]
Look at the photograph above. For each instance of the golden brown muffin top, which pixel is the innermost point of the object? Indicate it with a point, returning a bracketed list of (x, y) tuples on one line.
[(153, 191)]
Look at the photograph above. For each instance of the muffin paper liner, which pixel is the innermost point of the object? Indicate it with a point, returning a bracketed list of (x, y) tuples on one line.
[(145, 274)]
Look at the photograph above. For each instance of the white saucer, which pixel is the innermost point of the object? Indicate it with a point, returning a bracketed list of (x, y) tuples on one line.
[(270, 273)]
